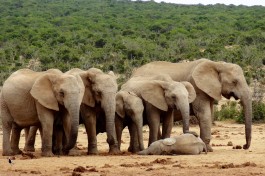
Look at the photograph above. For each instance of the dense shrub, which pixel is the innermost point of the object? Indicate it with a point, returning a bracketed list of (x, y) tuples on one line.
[(232, 110), (82, 33), (258, 108), (229, 110)]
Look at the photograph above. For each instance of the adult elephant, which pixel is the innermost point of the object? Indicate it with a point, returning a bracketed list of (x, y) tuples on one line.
[(31, 98), (98, 104), (211, 80), (160, 97)]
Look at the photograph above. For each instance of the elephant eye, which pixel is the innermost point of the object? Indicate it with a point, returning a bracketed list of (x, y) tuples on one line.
[(61, 93), (235, 82), (173, 97), (98, 93)]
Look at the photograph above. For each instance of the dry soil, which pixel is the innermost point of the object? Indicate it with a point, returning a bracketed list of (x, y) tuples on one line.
[(223, 161)]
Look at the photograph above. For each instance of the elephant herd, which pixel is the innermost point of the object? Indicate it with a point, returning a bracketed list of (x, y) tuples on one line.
[(158, 92)]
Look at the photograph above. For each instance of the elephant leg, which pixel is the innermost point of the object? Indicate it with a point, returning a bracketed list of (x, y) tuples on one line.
[(119, 129), (202, 110), (153, 119), (30, 139), (132, 135), (46, 118), (26, 131), (7, 121), (57, 139), (89, 119), (92, 135), (138, 123), (134, 143), (167, 124), (212, 111), (64, 126), (16, 130), (63, 137)]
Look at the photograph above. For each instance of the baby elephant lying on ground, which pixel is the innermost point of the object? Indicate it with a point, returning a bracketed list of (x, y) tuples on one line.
[(185, 144)]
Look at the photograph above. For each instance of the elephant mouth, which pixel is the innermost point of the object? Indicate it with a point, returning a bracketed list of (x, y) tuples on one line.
[(173, 106), (231, 94)]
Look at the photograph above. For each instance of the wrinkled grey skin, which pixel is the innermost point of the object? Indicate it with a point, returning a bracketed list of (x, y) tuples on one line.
[(58, 137), (160, 95), (211, 80), (185, 144), (32, 98), (30, 136), (30, 132), (98, 103), (129, 111)]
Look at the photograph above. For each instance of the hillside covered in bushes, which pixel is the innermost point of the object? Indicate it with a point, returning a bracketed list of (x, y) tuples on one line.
[(119, 35)]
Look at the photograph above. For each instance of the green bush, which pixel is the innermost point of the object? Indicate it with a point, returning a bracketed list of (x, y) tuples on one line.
[(258, 109), (228, 111)]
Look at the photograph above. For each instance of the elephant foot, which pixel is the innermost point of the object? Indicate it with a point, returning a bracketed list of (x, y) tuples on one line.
[(29, 149), (209, 148), (92, 151), (114, 151), (17, 151), (141, 148), (246, 146), (7, 153), (47, 154), (58, 152), (133, 149)]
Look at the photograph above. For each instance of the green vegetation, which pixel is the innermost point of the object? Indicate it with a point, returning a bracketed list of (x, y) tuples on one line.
[(120, 35), (231, 110), (258, 112)]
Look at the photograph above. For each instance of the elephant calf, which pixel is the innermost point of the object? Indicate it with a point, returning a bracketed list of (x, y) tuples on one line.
[(129, 109), (185, 144)]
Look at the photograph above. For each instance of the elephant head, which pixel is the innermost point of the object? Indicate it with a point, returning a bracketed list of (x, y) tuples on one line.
[(165, 94), (62, 93), (128, 101), (225, 79)]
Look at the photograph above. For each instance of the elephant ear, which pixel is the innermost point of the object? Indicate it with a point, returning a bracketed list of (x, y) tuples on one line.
[(206, 78), (169, 141), (120, 104), (88, 98), (42, 91), (111, 73), (191, 91), (81, 87), (153, 93)]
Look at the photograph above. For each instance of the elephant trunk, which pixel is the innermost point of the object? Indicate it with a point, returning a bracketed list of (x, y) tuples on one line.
[(185, 113), (74, 123), (109, 105), (247, 106)]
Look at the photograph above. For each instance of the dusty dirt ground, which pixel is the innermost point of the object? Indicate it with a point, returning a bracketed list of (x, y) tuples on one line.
[(223, 161)]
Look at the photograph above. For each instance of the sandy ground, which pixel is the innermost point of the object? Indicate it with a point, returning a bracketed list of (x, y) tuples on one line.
[(223, 161)]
